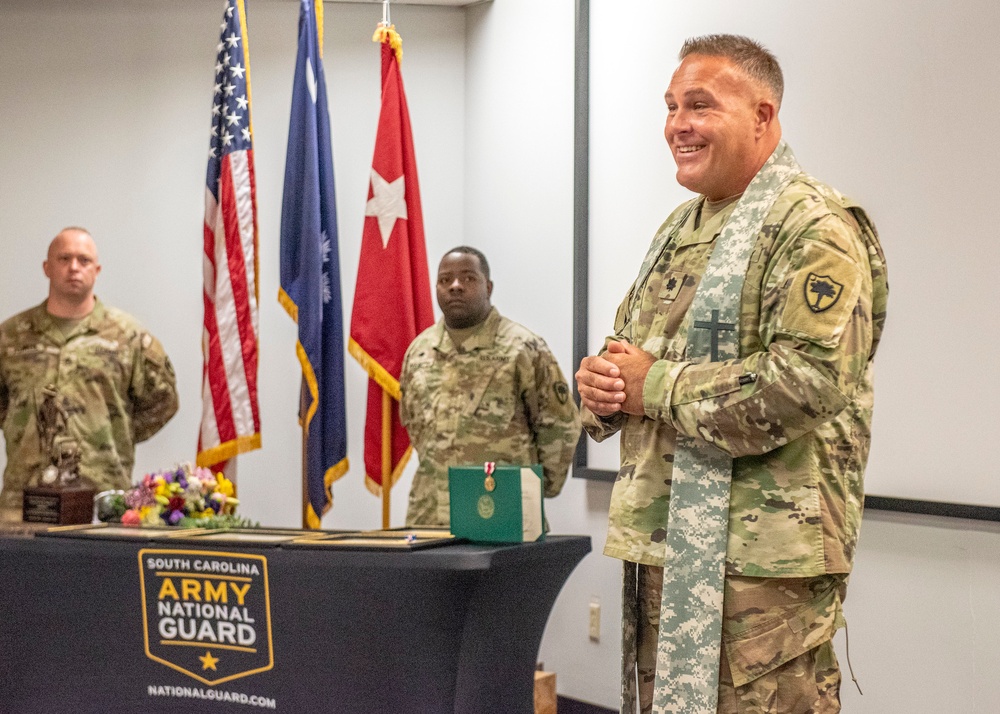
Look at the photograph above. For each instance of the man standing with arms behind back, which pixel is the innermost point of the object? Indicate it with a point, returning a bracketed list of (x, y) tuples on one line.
[(740, 376), (478, 387), (78, 375)]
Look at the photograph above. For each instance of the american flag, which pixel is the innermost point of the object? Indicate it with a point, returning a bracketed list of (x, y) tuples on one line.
[(230, 422)]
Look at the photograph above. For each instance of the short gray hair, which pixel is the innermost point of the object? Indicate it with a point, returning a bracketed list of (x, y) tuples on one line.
[(749, 55)]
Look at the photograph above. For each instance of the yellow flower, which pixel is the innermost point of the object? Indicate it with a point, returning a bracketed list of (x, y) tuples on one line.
[(224, 485), (149, 515)]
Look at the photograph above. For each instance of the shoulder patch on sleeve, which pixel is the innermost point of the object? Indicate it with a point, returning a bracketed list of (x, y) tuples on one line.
[(822, 296)]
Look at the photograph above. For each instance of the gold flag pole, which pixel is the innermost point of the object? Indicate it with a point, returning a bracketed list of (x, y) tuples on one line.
[(386, 455)]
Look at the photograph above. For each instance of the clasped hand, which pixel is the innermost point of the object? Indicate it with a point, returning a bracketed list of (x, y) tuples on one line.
[(613, 381)]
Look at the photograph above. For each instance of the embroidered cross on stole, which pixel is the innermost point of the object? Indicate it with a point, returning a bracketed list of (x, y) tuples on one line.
[(690, 633)]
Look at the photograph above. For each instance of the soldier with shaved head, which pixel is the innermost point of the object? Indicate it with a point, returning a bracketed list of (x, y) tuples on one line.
[(77, 376)]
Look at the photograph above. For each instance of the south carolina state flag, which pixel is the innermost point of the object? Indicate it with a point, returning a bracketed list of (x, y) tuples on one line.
[(310, 268), (392, 299)]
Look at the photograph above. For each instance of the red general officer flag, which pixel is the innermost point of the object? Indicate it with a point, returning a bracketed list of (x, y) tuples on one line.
[(392, 298)]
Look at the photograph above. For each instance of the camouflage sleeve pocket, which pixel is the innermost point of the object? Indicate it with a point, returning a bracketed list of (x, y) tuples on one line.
[(152, 351), (700, 382), (822, 296)]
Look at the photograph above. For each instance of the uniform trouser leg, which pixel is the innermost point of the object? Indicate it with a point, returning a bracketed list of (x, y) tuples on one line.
[(806, 684), (649, 589)]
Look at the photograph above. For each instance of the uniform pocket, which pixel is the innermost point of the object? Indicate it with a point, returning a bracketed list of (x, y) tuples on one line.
[(707, 381), (674, 297), (496, 407), (822, 296)]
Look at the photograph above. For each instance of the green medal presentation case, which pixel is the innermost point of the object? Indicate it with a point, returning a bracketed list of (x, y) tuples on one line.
[(502, 504)]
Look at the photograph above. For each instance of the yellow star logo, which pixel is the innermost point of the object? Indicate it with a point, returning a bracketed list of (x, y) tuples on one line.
[(208, 661)]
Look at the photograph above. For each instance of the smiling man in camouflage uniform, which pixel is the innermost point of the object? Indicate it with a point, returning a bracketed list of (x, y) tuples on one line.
[(107, 381), (779, 391), (478, 387)]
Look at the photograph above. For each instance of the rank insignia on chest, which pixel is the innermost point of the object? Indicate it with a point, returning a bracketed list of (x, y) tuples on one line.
[(822, 292), (672, 284)]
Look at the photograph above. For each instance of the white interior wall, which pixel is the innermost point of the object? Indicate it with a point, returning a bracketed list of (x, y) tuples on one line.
[(922, 610), (103, 121)]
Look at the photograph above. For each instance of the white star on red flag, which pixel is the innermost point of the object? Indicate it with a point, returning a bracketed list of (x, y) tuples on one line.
[(388, 202)]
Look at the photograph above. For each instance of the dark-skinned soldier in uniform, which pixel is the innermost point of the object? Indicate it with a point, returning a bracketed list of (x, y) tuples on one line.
[(80, 382), (478, 387)]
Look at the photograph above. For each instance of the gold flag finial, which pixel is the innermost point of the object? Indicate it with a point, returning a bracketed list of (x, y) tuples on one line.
[(387, 33)]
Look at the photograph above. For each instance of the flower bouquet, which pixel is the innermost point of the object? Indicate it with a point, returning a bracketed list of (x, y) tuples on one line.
[(186, 496)]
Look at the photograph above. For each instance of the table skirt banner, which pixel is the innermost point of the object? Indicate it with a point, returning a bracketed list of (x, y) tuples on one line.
[(101, 625)]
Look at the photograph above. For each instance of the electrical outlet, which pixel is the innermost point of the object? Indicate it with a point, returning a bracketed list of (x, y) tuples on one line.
[(594, 623)]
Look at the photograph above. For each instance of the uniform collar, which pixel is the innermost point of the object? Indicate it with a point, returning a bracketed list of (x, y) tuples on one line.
[(483, 337), (43, 323), (702, 231)]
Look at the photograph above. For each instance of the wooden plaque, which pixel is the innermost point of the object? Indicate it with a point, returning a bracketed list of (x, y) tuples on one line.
[(58, 506)]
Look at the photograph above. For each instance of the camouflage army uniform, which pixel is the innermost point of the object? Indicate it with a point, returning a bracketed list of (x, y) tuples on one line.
[(114, 382), (794, 411), (500, 397)]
